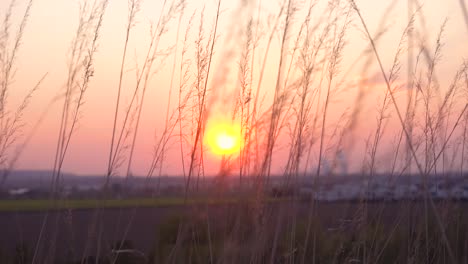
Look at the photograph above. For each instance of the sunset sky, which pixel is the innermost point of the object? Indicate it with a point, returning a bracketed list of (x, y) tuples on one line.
[(52, 24)]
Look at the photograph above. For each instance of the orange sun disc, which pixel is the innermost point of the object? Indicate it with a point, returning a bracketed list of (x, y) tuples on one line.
[(223, 138)]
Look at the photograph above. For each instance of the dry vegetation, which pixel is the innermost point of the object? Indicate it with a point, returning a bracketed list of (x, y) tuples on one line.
[(291, 69)]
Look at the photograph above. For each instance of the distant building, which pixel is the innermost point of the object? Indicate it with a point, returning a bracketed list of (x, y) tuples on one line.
[(18, 191)]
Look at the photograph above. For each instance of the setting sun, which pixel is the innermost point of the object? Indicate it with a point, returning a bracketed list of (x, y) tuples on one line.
[(223, 138)]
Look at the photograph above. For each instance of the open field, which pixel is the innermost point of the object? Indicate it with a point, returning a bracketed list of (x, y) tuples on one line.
[(32, 205), (42, 205), (152, 229)]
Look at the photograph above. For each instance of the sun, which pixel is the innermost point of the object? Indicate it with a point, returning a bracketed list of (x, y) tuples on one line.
[(225, 142), (223, 138)]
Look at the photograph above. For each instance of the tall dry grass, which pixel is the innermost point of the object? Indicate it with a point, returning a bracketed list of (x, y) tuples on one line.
[(299, 55)]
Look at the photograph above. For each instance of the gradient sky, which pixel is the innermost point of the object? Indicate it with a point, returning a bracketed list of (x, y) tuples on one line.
[(51, 26)]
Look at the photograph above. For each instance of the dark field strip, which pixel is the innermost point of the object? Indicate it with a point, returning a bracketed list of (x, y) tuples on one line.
[(155, 223), (34, 205), (41, 205)]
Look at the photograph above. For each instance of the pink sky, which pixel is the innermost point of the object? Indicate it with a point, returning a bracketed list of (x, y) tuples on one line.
[(50, 29)]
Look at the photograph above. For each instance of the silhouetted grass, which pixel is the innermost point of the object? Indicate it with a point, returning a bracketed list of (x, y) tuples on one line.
[(298, 55)]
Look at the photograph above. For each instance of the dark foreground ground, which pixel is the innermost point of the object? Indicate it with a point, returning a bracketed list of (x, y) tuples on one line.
[(73, 234)]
